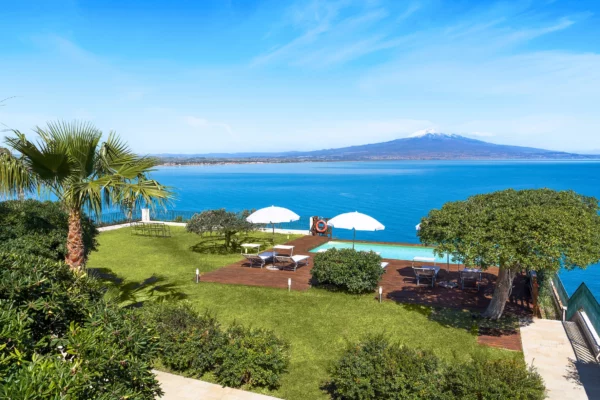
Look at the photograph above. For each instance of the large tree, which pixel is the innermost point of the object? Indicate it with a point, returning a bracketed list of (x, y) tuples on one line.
[(221, 221), (541, 230), (70, 161)]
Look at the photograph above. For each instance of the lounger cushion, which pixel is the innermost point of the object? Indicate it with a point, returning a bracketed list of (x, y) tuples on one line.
[(299, 258)]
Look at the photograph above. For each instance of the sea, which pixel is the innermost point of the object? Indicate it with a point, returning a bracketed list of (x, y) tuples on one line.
[(397, 193)]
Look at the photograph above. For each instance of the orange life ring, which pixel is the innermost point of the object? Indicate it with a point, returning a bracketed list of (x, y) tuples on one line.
[(321, 226)]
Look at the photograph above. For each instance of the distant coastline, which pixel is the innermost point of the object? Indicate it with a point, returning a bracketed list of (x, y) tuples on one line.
[(212, 162)]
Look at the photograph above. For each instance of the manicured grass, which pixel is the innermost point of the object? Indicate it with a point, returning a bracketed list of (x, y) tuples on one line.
[(317, 323)]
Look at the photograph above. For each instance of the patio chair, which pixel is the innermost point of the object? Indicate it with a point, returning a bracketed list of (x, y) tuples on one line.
[(297, 260), (256, 259), (473, 277), (426, 273)]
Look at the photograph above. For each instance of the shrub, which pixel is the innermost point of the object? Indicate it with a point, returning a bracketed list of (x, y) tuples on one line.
[(378, 369), (59, 339), (348, 270), (251, 358), (375, 368), (39, 228), (188, 340), (194, 344), (494, 379)]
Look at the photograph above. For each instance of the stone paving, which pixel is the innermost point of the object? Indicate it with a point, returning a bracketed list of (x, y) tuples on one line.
[(547, 347), (179, 388)]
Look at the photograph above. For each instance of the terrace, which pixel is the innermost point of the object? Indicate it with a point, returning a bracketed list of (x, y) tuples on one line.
[(319, 324), (398, 282)]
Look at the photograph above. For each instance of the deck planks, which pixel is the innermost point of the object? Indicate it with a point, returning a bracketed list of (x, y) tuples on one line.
[(398, 285)]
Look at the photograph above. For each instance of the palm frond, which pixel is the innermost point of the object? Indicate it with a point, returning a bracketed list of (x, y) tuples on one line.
[(83, 172), (79, 140), (49, 164), (15, 178)]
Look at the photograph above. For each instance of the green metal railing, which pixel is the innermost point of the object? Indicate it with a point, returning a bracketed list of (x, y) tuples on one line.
[(120, 217), (560, 288), (581, 299)]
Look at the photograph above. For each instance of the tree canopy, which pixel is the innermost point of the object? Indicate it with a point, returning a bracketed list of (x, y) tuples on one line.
[(221, 221), (537, 229)]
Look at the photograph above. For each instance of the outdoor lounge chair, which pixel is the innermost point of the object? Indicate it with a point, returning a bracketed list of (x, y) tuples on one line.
[(426, 273), (297, 260), (256, 259), (470, 277)]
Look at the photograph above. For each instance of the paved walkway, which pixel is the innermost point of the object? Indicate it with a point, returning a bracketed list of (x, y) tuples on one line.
[(179, 388), (547, 347)]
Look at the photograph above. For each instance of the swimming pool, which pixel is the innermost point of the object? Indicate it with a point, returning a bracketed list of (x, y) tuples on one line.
[(391, 251)]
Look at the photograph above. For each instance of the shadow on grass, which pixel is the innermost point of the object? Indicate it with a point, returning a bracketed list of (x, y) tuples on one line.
[(135, 293), (216, 244), (473, 322)]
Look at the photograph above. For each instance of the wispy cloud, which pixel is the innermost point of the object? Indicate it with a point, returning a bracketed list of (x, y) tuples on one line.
[(337, 32)]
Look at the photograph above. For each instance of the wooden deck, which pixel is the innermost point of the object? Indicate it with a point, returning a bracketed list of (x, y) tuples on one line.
[(398, 285), (240, 274)]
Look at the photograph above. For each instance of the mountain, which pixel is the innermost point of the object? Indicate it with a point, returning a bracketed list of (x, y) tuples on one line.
[(431, 145), (427, 145)]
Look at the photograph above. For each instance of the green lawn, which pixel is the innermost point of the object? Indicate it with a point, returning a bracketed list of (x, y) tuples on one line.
[(317, 323)]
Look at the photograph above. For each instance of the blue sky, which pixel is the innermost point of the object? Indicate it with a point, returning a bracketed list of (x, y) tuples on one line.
[(214, 76)]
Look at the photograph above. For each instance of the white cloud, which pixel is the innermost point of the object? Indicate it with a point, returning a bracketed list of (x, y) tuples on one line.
[(337, 32)]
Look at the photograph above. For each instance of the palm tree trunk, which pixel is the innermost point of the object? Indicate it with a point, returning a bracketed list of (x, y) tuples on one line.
[(75, 248), (501, 294)]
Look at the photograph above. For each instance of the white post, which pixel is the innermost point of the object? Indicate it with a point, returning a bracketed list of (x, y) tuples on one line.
[(145, 215), (289, 284), (380, 293), (197, 275)]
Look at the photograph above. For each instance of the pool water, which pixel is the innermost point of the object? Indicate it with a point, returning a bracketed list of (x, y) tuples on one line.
[(394, 252)]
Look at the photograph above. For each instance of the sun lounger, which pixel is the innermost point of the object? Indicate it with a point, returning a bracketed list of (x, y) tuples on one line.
[(427, 273), (297, 260), (472, 276), (256, 259)]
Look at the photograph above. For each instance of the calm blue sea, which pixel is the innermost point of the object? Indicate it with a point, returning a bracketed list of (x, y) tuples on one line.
[(397, 193)]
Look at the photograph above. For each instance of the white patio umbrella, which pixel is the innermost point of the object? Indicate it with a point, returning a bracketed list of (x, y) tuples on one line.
[(355, 221), (272, 215)]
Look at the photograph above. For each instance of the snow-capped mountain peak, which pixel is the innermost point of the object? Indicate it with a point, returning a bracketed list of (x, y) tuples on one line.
[(432, 132)]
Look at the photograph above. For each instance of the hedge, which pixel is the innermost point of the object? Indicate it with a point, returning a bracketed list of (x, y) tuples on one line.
[(348, 270), (194, 344), (376, 368)]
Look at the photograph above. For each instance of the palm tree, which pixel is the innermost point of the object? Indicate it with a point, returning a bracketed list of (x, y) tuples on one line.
[(70, 161)]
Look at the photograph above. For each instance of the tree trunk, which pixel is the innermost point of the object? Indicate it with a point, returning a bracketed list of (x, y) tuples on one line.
[(501, 293), (75, 248)]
